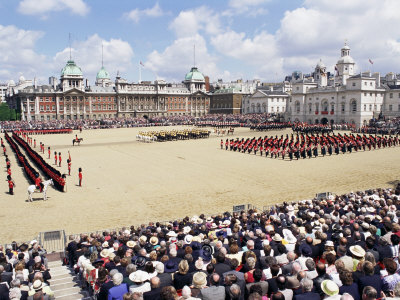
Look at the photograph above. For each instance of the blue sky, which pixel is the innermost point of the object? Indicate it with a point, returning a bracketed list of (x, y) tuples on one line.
[(235, 39)]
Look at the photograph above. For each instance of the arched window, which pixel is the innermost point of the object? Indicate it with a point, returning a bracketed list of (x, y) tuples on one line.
[(316, 108), (353, 105), (258, 107), (264, 107), (253, 108), (324, 105), (332, 107)]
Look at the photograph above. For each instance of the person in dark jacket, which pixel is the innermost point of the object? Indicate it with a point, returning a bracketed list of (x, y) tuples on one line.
[(306, 291), (349, 286), (369, 278)]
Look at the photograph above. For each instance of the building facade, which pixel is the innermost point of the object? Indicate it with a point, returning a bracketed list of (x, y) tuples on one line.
[(73, 98), (350, 98), (226, 101), (266, 101)]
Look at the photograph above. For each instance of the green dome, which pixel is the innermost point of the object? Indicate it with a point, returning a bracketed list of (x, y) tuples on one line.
[(194, 74), (103, 74), (71, 69)]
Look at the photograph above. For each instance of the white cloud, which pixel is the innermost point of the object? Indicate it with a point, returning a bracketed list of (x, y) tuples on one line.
[(18, 55), (320, 28), (118, 55), (248, 7), (136, 14), (44, 7), (260, 51), (177, 59), (190, 22)]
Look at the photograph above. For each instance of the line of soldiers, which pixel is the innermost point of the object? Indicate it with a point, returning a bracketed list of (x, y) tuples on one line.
[(173, 135), (311, 128), (270, 126), (309, 145)]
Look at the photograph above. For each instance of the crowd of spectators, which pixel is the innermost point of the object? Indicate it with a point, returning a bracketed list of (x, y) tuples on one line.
[(24, 273), (216, 120), (344, 247), (382, 126), (245, 120)]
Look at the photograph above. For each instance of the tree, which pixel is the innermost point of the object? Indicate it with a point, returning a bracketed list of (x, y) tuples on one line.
[(6, 113)]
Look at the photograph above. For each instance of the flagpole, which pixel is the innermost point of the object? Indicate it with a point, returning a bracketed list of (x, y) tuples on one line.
[(140, 72)]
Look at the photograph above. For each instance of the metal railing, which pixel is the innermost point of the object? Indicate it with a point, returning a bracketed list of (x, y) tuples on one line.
[(53, 241)]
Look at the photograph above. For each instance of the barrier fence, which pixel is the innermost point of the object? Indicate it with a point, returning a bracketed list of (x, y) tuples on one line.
[(53, 241)]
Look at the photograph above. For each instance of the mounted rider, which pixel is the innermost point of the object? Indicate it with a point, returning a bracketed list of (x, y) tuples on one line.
[(38, 183)]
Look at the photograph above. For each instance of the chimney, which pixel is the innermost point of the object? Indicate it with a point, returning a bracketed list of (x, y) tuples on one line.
[(34, 83), (271, 88)]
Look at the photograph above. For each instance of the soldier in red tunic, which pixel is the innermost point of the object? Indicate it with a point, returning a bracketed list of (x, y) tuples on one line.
[(80, 176), (11, 185)]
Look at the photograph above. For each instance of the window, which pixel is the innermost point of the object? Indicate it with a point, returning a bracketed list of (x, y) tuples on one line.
[(41, 107), (390, 107), (391, 95), (370, 94), (353, 84), (53, 107), (398, 108), (370, 83), (370, 107), (324, 106), (353, 106), (365, 107), (297, 106), (47, 108), (365, 83), (342, 108), (309, 107)]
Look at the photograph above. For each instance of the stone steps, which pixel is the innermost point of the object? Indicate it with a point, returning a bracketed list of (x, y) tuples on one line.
[(65, 284)]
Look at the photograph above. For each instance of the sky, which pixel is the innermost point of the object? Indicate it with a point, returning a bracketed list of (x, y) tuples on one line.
[(229, 40)]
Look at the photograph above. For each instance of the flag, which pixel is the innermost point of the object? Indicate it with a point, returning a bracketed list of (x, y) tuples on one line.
[(141, 63), (370, 61)]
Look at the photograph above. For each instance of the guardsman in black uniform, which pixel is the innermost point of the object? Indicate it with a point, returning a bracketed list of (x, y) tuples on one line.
[(349, 147), (297, 153), (337, 148), (315, 151), (309, 151), (226, 144), (290, 152), (323, 150)]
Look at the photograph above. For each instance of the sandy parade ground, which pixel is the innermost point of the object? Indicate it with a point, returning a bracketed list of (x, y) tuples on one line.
[(126, 182)]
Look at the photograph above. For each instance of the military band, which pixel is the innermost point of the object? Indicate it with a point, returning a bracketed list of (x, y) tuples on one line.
[(309, 145)]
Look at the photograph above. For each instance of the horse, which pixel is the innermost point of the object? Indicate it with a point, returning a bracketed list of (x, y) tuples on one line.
[(32, 189), (78, 141)]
